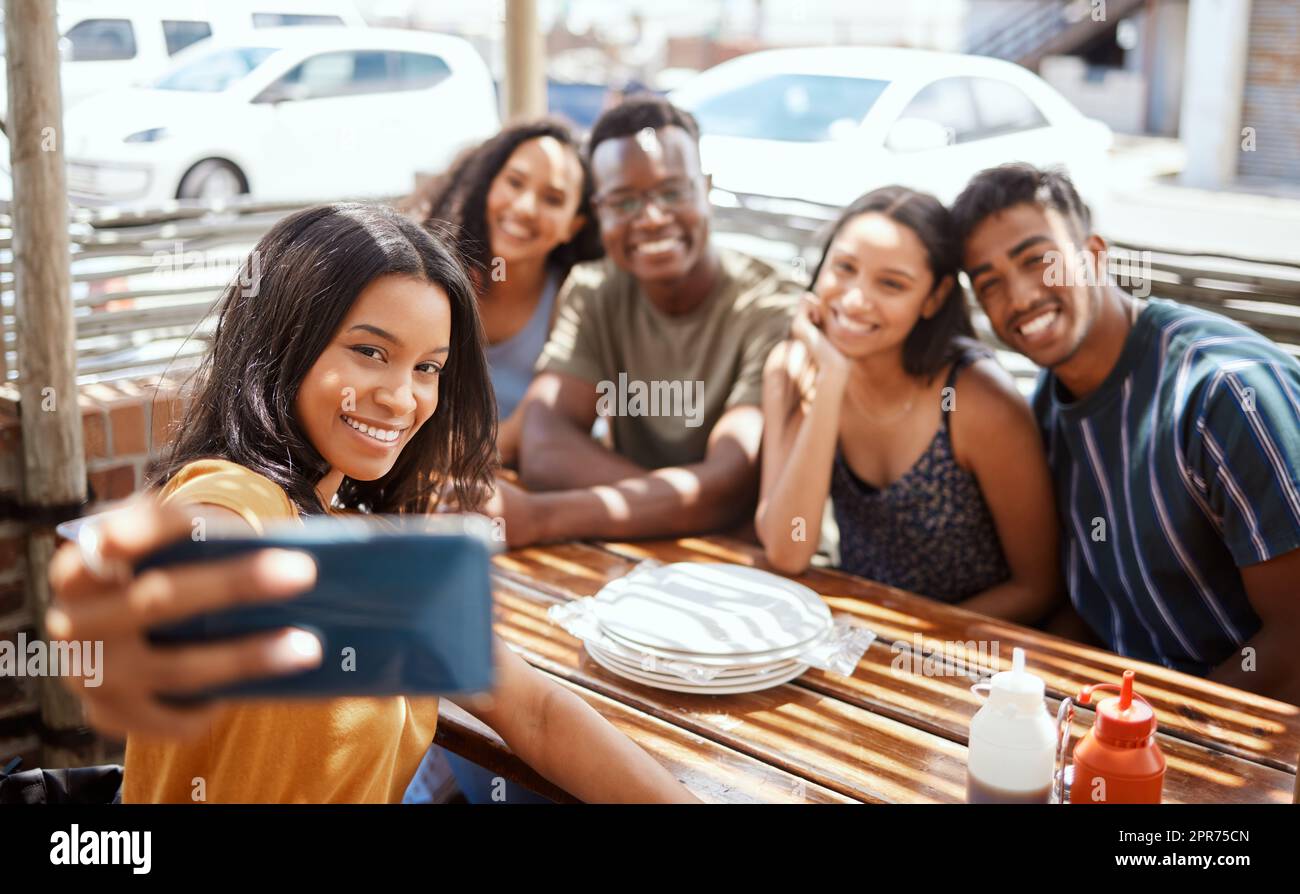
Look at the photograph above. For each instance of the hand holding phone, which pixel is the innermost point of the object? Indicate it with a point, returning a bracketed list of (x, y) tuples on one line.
[(89, 605), (399, 607)]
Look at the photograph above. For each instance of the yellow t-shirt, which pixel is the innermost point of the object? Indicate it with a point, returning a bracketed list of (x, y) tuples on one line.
[(348, 750)]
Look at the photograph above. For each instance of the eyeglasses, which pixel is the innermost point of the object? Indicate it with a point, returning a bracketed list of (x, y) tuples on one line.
[(628, 205)]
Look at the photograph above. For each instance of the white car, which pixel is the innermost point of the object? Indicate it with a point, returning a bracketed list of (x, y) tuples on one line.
[(285, 114), (828, 124), (118, 43)]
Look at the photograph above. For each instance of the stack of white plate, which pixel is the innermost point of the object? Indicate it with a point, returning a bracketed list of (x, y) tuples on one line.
[(706, 628)]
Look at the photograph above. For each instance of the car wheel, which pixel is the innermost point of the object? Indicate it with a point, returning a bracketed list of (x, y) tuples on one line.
[(211, 180)]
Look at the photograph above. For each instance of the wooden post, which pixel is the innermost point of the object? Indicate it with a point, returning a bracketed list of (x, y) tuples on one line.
[(54, 468), (525, 75)]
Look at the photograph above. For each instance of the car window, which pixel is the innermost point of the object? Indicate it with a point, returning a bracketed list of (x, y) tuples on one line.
[(101, 40), (417, 71), (1004, 108), (180, 35), (214, 71), (284, 19), (947, 102), (342, 74), (792, 107)]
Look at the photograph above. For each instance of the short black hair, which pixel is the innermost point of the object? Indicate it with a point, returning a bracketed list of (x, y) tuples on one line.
[(633, 115), (997, 189)]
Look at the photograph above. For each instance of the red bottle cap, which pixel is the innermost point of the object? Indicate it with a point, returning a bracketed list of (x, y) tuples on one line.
[(1123, 720)]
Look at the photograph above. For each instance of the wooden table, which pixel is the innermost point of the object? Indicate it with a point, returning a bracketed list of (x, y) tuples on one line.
[(889, 733)]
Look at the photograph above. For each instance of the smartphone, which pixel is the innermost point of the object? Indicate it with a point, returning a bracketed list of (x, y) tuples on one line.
[(400, 606)]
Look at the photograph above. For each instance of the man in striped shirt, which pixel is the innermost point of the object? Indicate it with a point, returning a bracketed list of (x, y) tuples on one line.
[(1173, 435)]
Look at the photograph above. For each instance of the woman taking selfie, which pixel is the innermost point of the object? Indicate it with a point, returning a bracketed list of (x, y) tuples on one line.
[(351, 378), (519, 207), (883, 400)]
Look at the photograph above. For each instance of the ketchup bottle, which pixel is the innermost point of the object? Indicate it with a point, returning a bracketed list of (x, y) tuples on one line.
[(1118, 761)]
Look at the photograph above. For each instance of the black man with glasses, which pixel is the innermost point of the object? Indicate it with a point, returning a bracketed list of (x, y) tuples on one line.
[(666, 338)]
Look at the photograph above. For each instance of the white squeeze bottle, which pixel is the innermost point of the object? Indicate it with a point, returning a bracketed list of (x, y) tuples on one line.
[(1012, 751)]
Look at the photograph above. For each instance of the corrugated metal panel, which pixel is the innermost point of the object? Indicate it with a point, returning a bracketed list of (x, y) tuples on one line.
[(1271, 99)]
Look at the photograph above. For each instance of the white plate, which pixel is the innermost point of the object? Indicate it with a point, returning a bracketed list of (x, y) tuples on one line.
[(727, 677), (711, 609), (638, 658), (751, 659), (670, 677), (683, 686)]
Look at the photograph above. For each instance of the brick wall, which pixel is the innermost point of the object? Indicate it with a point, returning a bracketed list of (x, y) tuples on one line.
[(124, 424)]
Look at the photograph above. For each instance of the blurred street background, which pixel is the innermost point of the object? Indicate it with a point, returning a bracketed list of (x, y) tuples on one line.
[(1178, 119), (1177, 82), (1175, 88)]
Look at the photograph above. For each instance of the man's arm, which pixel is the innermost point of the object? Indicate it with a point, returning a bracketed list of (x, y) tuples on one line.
[(509, 431), (706, 496), (1274, 591), (1246, 449), (557, 451)]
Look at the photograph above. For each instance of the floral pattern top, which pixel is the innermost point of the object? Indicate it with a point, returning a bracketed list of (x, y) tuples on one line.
[(929, 532)]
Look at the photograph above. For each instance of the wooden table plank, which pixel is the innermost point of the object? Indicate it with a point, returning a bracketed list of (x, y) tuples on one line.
[(714, 773), (563, 569), (944, 704), (888, 682), (816, 737), (1219, 717)]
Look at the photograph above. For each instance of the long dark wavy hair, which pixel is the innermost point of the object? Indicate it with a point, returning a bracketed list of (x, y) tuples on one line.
[(938, 341), (308, 271), (454, 204)]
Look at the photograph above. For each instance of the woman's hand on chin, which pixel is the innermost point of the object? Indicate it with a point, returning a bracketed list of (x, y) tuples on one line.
[(809, 327)]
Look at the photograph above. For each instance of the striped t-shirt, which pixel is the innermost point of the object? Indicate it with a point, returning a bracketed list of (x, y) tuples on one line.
[(1182, 467)]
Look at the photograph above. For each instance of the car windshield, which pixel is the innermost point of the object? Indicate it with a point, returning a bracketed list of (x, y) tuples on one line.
[(214, 71), (793, 107)]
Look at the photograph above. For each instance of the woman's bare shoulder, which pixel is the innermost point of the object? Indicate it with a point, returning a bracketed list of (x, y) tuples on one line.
[(988, 412), (989, 387)]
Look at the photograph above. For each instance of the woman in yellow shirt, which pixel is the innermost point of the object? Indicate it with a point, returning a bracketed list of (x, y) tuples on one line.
[(347, 373)]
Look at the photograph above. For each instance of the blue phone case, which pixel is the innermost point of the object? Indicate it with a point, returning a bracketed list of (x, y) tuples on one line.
[(398, 611)]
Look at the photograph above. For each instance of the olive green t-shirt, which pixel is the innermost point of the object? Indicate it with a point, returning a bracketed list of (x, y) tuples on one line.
[(665, 380)]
